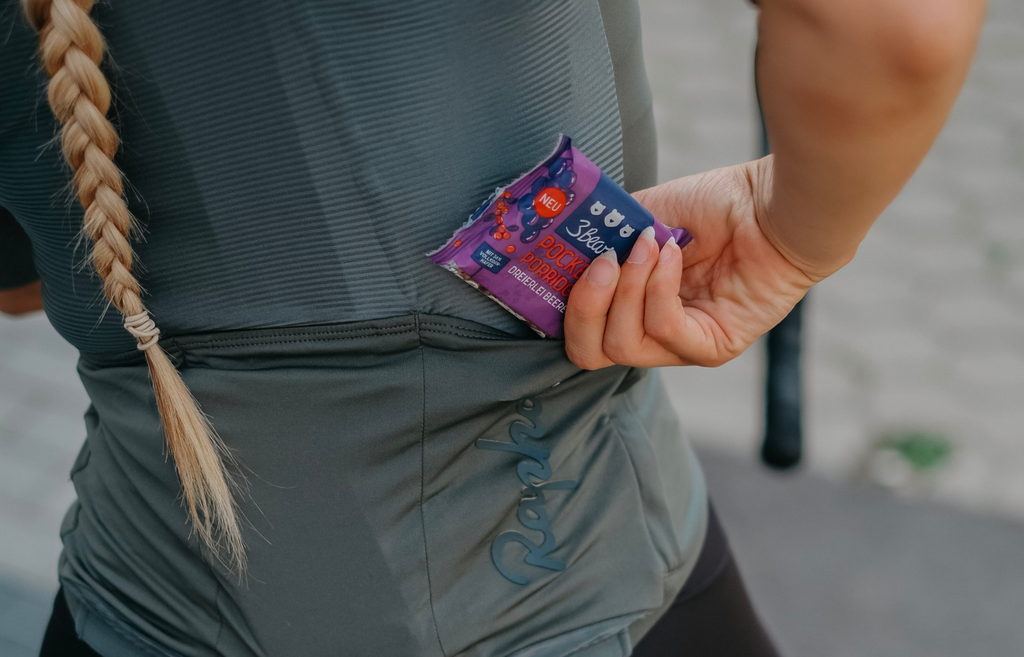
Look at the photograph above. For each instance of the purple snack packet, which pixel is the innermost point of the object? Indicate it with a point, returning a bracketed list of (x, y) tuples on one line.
[(530, 241)]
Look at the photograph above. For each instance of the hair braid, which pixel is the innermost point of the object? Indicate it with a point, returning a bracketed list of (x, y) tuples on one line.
[(71, 49)]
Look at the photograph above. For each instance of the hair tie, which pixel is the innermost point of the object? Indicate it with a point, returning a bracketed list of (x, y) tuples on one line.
[(143, 328)]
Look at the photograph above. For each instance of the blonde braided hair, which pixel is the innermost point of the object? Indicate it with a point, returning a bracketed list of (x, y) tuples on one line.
[(71, 48)]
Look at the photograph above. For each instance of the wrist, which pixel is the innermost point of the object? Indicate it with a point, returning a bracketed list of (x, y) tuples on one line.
[(818, 243)]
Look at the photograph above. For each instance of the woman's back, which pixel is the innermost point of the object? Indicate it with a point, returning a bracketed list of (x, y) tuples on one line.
[(291, 164)]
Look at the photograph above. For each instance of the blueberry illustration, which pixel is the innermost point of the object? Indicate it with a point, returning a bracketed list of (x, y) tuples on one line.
[(526, 203), (530, 219), (557, 167), (529, 234), (540, 183), (547, 222), (566, 179)]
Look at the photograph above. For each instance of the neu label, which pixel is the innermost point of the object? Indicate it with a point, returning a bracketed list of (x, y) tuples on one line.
[(549, 202)]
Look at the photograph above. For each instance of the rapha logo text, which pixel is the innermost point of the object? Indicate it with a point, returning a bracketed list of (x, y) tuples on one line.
[(534, 471)]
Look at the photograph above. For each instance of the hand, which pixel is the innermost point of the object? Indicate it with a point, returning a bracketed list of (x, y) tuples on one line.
[(701, 305)]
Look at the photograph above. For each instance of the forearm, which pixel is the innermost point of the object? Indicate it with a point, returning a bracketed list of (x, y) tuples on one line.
[(854, 93)]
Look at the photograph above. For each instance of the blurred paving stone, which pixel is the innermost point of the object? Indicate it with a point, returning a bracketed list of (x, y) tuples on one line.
[(41, 431), (844, 570), (23, 616), (925, 328)]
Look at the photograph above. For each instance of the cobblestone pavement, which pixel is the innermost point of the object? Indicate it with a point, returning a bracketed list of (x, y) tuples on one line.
[(922, 331), (844, 570), (41, 431)]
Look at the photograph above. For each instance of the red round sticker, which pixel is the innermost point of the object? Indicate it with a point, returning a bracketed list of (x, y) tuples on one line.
[(549, 202)]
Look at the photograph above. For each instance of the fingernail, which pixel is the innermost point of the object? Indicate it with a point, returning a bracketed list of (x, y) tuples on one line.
[(668, 250), (643, 247), (602, 270)]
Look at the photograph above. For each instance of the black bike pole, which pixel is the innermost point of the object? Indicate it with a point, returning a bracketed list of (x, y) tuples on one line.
[(783, 430)]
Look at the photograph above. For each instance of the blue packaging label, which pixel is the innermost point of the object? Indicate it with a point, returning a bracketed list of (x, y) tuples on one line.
[(607, 219), (489, 258)]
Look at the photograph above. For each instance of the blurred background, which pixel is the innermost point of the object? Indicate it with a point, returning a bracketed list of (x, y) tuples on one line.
[(902, 531)]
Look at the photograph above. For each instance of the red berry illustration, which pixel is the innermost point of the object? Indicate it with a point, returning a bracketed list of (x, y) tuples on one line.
[(500, 220), (510, 248), (458, 243)]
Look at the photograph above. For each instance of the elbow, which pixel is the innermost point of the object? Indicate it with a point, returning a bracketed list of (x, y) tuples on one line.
[(913, 40), (929, 41), (21, 300)]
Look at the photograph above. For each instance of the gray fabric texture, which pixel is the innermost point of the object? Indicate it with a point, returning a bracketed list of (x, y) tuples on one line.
[(374, 502), (633, 91), (291, 163)]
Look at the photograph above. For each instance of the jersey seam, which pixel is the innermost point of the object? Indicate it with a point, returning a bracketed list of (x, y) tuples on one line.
[(183, 344), (220, 615), (465, 335), (423, 514), (448, 325), (334, 335)]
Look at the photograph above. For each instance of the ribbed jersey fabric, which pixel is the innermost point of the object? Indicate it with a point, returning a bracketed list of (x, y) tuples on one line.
[(291, 162)]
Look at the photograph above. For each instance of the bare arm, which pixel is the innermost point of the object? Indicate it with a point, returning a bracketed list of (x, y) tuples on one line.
[(854, 93)]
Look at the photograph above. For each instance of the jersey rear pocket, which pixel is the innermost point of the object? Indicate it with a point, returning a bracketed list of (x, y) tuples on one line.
[(534, 518)]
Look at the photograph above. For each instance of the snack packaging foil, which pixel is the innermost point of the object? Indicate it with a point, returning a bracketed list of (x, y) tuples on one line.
[(530, 241)]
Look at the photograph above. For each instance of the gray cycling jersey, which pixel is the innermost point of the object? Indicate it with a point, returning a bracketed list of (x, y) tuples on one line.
[(425, 476), (417, 486), (291, 163)]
